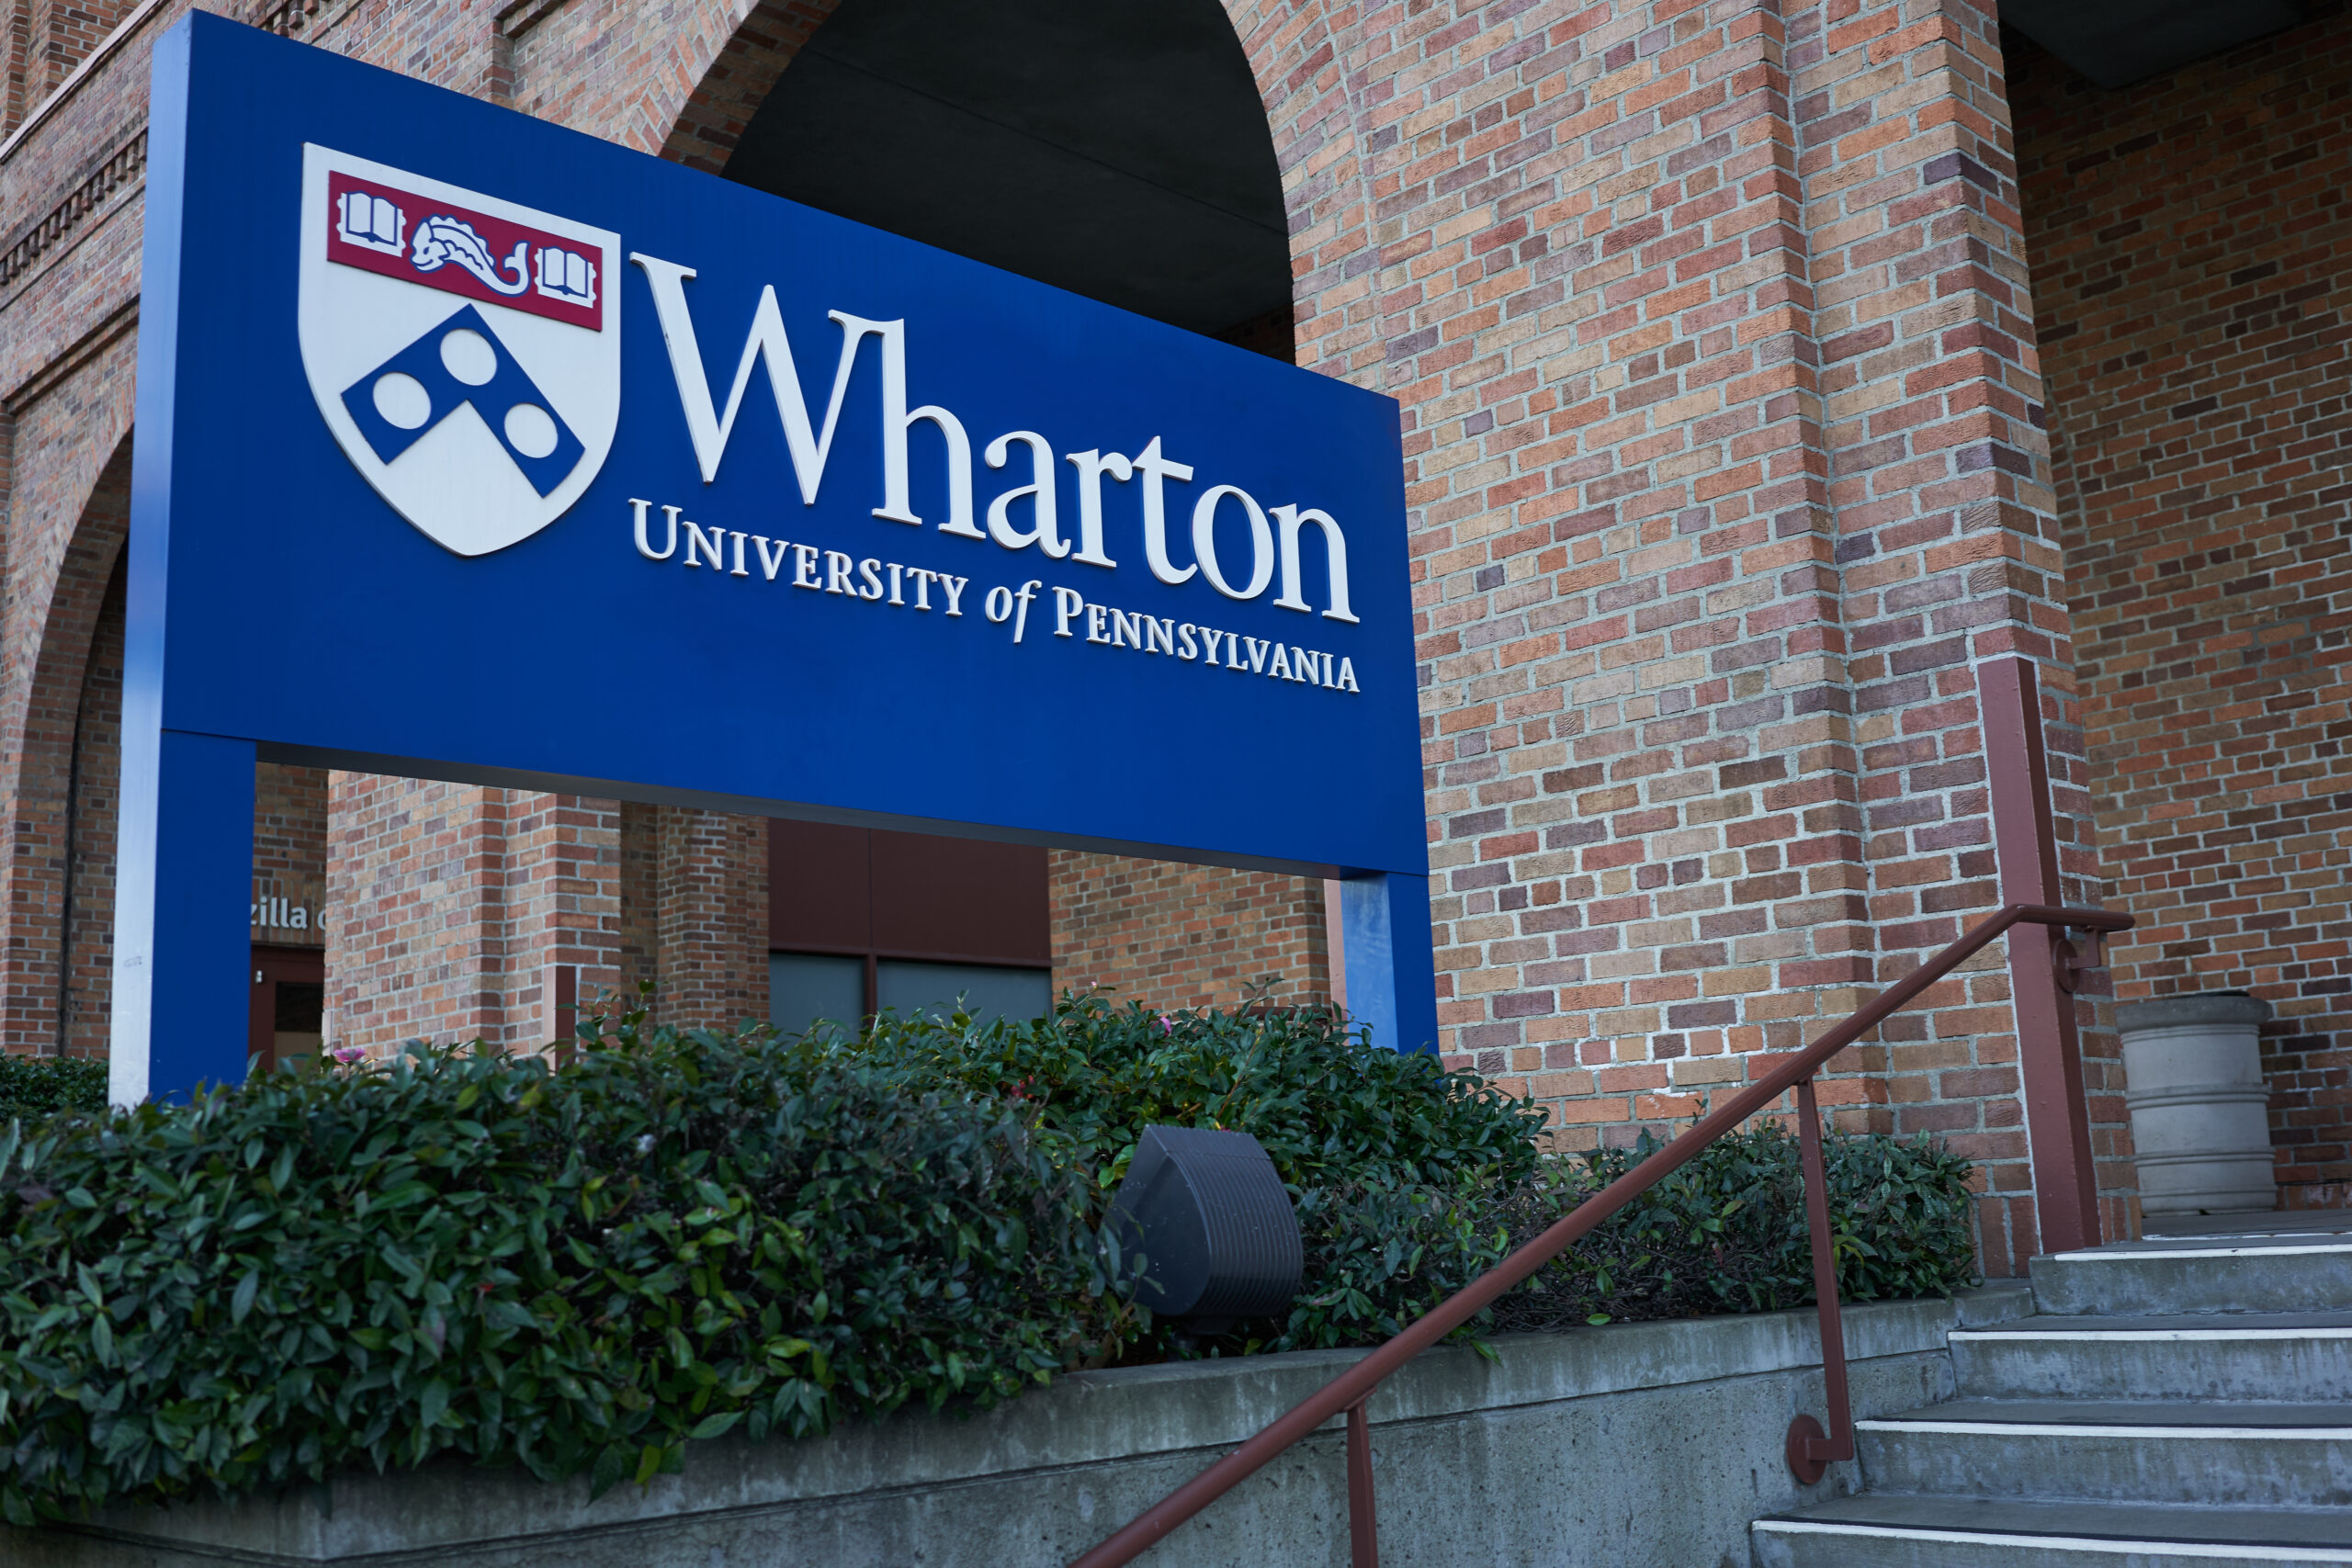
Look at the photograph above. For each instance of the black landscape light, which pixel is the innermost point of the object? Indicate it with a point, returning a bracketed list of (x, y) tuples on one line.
[(1214, 1227)]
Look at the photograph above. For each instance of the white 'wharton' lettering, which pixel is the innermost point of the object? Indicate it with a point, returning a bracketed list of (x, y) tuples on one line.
[(1273, 546)]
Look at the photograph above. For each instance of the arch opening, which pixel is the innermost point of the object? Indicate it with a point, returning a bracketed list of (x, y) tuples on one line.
[(1115, 148), (61, 874)]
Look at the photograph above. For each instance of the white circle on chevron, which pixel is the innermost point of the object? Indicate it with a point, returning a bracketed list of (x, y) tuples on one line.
[(469, 356), (402, 401), (530, 429)]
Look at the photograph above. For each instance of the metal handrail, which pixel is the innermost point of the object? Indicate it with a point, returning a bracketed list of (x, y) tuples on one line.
[(1810, 1449)]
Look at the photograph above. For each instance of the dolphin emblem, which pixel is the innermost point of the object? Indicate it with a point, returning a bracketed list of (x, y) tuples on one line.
[(442, 239)]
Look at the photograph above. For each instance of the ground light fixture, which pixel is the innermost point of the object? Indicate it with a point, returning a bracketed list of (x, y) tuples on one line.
[(1210, 1218)]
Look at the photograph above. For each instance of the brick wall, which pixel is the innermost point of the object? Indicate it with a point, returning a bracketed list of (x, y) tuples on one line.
[(2190, 248), (562, 899), (44, 41), (1171, 935), (1711, 328), (290, 854), (1721, 431), (1947, 550)]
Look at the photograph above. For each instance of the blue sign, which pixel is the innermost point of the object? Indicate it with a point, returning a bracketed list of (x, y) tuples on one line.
[(566, 467)]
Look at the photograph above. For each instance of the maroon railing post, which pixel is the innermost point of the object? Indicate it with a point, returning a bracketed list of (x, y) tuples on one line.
[(2050, 1063), (1364, 1525), (1810, 1449)]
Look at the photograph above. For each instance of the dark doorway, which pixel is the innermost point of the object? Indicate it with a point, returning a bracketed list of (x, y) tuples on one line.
[(1115, 148), (286, 1014)]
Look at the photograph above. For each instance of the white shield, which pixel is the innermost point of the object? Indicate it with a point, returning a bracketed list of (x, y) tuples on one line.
[(464, 350)]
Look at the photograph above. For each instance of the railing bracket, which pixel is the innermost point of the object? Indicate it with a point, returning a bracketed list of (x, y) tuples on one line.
[(2071, 963), (1804, 1434)]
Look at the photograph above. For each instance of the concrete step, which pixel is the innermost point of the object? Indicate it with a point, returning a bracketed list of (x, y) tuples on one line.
[(2231, 1453), (1899, 1530), (2277, 1222), (2233, 1356), (2293, 1272)]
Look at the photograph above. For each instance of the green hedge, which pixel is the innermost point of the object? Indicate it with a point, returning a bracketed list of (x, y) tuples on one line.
[(578, 1267), (34, 1087), (1326, 1106), (570, 1269), (1725, 1232), (1412, 1180)]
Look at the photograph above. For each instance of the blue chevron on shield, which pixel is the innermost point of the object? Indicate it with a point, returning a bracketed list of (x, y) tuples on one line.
[(464, 350)]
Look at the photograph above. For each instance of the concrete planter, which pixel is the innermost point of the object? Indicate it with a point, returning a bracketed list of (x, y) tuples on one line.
[(1648, 1445), (2200, 1117)]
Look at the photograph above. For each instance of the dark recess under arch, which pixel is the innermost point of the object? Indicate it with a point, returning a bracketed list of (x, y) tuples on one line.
[(1115, 148)]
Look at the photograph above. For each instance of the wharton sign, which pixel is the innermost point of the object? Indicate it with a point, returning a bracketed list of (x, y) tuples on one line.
[(570, 468)]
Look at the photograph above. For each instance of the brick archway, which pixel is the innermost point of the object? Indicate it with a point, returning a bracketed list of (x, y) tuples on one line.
[(1303, 79), (41, 830), (740, 79), (1322, 137)]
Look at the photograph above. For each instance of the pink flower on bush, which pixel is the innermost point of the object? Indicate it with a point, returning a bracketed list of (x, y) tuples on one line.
[(349, 1055), (1166, 1024)]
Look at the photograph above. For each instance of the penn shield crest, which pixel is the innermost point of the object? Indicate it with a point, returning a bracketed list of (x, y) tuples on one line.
[(464, 350)]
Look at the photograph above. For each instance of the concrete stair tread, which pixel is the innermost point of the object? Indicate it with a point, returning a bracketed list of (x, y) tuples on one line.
[(2275, 1222), (2110, 1412), (2223, 1453), (2180, 1402), (2169, 1360), (2223, 1243), (2165, 1522), (2199, 1325), (2198, 1275)]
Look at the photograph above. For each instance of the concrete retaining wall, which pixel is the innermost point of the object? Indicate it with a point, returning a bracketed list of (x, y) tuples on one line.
[(1635, 1446)]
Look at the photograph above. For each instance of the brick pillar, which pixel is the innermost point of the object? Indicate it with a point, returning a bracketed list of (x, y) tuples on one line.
[(1945, 530), (461, 913), (416, 932), (1642, 783), (711, 883), (563, 911), (1722, 452)]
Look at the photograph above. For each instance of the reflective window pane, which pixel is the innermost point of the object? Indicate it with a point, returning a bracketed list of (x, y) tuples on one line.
[(990, 991), (806, 987)]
